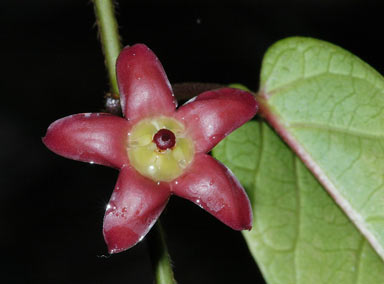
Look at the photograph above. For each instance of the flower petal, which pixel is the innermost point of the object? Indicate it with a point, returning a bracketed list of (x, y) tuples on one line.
[(212, 186), (134, 207), (144, 88), (212, 115), (90, 137)]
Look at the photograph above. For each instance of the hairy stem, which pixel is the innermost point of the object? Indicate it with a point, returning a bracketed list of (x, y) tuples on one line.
[(109, 37)]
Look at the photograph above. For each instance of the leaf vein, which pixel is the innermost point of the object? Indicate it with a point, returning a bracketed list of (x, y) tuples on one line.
[(303, 79), (340, 130)]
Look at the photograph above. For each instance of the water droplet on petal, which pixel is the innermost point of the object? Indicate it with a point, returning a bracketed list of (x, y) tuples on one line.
[(110, 207)]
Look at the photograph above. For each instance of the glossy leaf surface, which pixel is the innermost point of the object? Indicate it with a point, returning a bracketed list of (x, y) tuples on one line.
[(299, 234)]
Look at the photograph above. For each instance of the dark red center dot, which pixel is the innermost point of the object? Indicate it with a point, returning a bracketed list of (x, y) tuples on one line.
[(164, 139)]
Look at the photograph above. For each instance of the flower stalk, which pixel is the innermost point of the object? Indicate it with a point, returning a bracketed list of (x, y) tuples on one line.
[(160, 259), (111, 46)]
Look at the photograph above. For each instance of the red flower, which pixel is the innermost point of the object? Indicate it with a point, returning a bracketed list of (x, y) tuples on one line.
[(159, 150)]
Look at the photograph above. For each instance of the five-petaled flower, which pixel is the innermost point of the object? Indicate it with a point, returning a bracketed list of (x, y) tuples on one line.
[(159, 150)]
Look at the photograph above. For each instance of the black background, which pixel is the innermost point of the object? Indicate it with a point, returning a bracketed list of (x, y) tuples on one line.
[(51, 209)]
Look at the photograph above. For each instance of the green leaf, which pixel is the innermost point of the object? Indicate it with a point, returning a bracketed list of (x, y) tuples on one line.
[(328, 105), (299, 234)]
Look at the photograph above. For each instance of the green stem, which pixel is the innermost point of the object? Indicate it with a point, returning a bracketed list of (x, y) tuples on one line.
[(159, 256), (109, 37), (110, 42)]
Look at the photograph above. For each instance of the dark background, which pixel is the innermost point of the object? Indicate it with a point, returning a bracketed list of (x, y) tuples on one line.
[(51, 209)]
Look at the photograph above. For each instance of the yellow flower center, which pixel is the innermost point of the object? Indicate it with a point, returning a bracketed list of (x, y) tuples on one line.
[(151, 157)]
